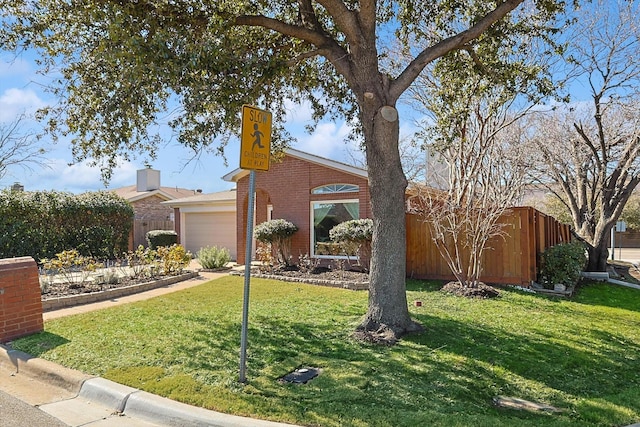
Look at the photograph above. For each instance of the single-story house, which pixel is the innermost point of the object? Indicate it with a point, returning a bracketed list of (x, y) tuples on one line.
[(310, 191), (146, 197)]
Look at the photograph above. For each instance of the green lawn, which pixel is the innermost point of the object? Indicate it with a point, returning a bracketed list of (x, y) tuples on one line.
[(581, 355)]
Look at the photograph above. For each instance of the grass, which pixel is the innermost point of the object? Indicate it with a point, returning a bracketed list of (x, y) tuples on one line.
[(582, 356)]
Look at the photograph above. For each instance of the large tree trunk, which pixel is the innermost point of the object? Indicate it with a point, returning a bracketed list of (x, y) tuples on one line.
[(598, 255), (388, 311)]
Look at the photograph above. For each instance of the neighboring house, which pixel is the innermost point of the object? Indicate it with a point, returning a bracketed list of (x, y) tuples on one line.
[(312, 192), (206, 220), (146, 197)]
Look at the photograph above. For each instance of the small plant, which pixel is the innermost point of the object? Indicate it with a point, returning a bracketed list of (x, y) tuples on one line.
[(264, 255), (212, 257), (109, 277), (139, 262), (306, 264), (562, 264), (72, 267), (173, 259), (277, 233)]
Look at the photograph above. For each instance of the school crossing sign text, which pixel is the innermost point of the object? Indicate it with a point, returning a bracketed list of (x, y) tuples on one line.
[(255, 141)]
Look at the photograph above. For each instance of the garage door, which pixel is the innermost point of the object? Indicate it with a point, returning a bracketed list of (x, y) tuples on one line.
[(210, 229)]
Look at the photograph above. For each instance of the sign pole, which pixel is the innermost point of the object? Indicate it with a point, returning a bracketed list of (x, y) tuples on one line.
[(255, 154), (247, 277)]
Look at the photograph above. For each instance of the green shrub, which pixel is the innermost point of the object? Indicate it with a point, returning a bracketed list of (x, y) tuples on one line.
[(354, 237), (562, 264), (157, 238), (212, 257), (278, 234)]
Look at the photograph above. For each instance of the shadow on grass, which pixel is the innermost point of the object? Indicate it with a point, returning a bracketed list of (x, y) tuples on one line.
[(453, 368), (39, 343)]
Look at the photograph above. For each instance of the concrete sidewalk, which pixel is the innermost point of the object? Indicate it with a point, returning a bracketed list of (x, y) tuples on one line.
[(77, 399)]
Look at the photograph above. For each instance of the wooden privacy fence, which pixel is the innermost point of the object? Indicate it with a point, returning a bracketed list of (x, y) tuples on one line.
[(512, 259)]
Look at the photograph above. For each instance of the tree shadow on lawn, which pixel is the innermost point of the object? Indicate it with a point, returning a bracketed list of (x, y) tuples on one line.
[(599, 368), (453, 368)]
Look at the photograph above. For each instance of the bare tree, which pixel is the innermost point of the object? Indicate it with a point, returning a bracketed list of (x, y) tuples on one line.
[(485, 176), (17, 148), (587, 153)]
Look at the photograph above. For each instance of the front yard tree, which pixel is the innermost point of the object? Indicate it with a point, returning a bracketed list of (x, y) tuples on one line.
[(588, 152), (122, 63)]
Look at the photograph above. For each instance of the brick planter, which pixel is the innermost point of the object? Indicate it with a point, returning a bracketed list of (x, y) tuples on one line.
[(20, 304), (73, 300)]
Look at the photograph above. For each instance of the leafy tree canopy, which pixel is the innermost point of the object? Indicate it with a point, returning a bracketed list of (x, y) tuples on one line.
[(122, 64)]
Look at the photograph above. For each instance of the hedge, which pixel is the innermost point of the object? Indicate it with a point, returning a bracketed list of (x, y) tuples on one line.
[(41, 224)]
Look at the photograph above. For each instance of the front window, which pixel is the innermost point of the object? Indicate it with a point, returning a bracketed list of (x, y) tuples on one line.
[(325, 216)]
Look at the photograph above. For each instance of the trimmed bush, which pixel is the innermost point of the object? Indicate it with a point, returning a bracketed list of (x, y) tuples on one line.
[(157, 238), (562, 264), (354, 237), (42, 224), (277, 233), (211, 257)]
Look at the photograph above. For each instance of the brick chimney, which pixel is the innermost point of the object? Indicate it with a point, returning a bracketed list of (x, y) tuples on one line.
[(147, 180)]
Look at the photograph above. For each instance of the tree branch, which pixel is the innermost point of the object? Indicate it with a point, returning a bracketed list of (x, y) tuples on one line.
[(406, 78)]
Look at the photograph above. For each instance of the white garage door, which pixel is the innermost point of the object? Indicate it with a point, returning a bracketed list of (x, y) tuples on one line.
[(210, 229)]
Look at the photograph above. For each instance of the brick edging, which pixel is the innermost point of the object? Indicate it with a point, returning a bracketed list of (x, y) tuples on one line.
[(73, 300)]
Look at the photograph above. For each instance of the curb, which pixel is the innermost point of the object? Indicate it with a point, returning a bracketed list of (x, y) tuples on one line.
[(129, 401), (43, 370)]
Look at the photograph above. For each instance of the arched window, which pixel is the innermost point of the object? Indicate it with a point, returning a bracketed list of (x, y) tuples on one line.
[(336, 188)]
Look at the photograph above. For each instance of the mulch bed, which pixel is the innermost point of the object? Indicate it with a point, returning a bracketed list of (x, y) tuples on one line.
[(481, 291)]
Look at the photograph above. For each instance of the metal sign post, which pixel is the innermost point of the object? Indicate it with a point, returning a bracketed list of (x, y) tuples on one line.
[(247, 278), (255, 153)]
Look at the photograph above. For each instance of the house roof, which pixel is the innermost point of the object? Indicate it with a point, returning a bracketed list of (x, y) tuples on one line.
[(237, 174), (131, 193), (202, 199)]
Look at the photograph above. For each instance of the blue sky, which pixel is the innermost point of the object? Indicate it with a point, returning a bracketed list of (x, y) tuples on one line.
[(21, 91)]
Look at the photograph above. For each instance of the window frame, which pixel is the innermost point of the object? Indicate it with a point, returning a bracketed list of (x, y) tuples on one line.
[(353, 188), (312, 228)]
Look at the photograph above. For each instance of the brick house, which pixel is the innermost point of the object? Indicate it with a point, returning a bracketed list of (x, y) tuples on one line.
[(312, 192), (146, 197)]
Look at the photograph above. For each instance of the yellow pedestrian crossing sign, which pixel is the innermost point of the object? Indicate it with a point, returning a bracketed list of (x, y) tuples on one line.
[(255, 140)]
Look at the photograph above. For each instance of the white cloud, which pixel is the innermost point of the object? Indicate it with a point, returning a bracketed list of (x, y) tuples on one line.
[(328, 140), (77, 178), (298, 113), (14, 102)]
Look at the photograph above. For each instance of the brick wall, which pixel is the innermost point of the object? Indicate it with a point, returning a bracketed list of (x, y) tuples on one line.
[(287, 187), (20, 299), (150, 208)]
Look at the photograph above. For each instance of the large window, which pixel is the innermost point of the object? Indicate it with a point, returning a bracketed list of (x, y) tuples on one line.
[(325, 215)]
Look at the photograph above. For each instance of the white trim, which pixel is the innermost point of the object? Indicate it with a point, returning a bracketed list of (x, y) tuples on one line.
[(312, 253)]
